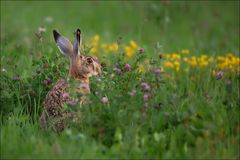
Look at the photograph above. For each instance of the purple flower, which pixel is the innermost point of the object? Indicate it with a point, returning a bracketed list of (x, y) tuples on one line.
[(132, 93), (145, 86), (146, 97), (127, 67), (46, 82), (117, 65), (141, 50), (49, 81), (95, 59), (104, 100), (219, 75), (119, 71), (157, 71)]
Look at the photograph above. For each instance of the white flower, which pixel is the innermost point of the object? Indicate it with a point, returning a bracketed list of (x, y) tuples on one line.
[(104, 100)]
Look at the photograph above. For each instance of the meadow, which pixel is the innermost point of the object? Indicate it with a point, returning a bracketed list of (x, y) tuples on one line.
[(169, 87)]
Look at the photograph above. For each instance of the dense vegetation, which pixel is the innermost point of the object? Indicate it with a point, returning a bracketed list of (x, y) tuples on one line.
[(169, 87)]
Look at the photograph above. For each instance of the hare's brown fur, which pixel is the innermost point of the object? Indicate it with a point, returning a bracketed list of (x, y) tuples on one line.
[(81, 68)]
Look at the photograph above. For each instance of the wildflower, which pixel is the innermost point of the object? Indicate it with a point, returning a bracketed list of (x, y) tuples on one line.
[(168, 65), (117, 65), (129, 51), (203, 63), (219, 75), (96, 38), (114, 46), (104, 100), (41, 29), (132, 93), (176, 63), (93, 50), (133, 44), (145, 86), (47, 82), (185, 59), (141, 50), (193, 61), (103, 45), (177, 68), (185, 51), (141, 69), (119, 71), (157, 71), (175, 56), (95, 59), (110, 48), (127, 67), (146, 97), (4, 70)]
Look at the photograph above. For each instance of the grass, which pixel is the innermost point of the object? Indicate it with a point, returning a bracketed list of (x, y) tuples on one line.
[(185, 115)]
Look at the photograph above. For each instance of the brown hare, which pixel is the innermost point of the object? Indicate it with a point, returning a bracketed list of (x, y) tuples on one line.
[(81, 68)]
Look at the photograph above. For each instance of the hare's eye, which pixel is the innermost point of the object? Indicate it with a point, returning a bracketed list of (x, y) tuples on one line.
[(89, 60)]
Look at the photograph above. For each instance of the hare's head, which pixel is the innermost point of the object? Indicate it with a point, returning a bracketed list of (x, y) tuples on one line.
[(81, 66)]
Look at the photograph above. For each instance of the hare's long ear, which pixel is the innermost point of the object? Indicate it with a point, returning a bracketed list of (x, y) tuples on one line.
[(77, 43), (64, 45)]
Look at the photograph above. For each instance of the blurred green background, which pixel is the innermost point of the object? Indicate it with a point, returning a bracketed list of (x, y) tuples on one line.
[(201, 26)]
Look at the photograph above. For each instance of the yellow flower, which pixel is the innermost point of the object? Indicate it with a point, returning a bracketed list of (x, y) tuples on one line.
[(176, 63), (175, 56), (193, 61), (230, 55), (133, 44), (110, 48), (177, 68), (103, 45), (168, 65), (168, 56), (221, 58), (203, 63), (96, 38), (185, 51), (93, 50), (129, 51), (141, 69), (185, 59), (162, 69), (210, 59), (115, 46)]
